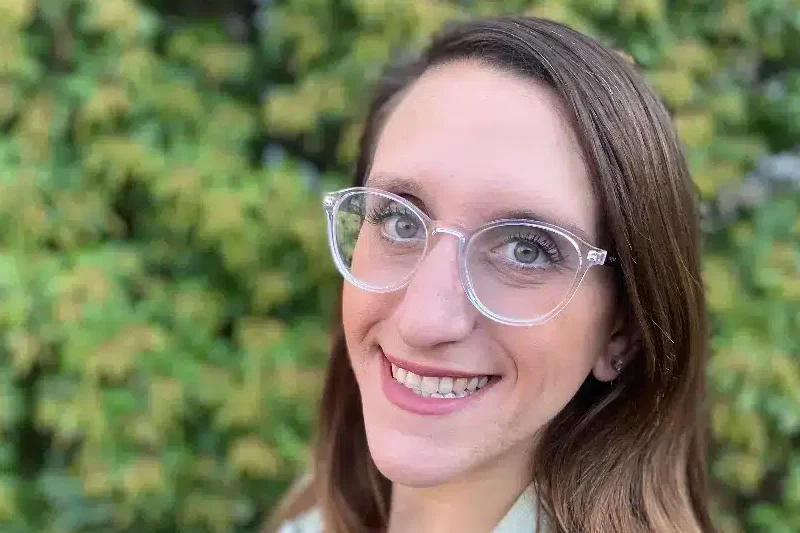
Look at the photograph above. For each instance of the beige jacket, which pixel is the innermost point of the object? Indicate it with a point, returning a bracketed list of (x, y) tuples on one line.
[(521, 518)]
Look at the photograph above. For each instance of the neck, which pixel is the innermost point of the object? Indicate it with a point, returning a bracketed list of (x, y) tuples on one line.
[(474, 503)]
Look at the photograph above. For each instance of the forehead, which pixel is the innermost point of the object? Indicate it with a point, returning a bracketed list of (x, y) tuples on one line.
[(474, 141)]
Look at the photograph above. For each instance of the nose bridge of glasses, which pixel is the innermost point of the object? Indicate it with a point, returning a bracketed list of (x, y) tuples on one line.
[(440, 262), (449, 229), (455, 230)]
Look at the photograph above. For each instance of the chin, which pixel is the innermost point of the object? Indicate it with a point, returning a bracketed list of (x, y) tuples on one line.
[(416, 461), (413, 470)]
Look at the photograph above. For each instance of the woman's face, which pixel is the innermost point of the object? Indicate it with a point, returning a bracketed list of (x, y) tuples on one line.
[(467, 143)]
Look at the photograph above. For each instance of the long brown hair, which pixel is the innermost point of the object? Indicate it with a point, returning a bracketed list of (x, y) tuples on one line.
[(629, 456)]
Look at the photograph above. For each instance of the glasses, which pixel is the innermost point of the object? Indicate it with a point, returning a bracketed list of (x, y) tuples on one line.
[(516, 272)]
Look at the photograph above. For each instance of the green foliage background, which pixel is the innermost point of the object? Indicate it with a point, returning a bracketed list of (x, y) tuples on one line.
[(164, 274)]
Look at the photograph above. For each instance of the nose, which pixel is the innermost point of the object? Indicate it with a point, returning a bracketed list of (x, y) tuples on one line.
[(434, 308)]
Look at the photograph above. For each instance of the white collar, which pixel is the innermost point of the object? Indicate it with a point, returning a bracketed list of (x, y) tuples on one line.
[(521, 518)]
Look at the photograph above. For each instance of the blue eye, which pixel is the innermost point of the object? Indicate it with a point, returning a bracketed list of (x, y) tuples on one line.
[(523, 252), (530, 250), (401, 227), (397, 223)]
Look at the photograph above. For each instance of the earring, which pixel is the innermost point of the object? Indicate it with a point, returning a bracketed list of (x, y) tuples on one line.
[(617, 365)]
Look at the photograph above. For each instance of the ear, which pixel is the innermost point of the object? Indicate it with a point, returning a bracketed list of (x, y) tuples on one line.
[(623, 344)]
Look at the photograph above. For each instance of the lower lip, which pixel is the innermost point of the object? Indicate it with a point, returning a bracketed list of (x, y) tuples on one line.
[(406, 399)]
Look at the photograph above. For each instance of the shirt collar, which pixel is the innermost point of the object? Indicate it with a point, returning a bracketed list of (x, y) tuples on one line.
[(521, 518)]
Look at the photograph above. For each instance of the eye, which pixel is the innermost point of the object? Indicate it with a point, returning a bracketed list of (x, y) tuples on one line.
[(400, 226), (397, 222), (529, 249), (524, 252)]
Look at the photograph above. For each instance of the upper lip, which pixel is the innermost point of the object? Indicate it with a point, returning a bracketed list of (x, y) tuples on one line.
[(428, 370)]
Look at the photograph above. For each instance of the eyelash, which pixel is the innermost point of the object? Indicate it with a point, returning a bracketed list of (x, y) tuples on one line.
[(377, 215), (545, 245)]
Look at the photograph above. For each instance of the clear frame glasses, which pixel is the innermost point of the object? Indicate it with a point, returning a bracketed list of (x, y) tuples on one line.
[(516, 272)]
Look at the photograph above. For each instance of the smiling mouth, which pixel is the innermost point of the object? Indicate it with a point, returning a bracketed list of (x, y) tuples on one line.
[(444, 387)]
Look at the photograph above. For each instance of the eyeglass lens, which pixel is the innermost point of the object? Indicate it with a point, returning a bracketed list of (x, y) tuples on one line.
[(519, 270)]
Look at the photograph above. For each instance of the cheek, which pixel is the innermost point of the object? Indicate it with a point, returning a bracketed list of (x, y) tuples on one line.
[(350, 302), (553, 360), (361, 311), (353, 317)]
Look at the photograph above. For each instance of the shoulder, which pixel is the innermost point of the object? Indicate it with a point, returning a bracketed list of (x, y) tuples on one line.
[(308, 522)]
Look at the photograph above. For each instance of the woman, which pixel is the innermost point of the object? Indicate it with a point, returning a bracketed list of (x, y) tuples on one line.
[(523, 337)]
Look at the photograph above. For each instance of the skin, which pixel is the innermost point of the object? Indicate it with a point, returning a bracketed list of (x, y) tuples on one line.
[(465, 143)]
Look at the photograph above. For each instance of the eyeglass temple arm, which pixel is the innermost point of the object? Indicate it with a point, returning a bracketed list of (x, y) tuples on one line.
[(601, 258)]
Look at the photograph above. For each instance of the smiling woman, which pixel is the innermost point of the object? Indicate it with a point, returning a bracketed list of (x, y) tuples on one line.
[(522, 336)]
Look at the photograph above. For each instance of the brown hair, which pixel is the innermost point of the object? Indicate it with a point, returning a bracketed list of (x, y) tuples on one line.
[(629, 456)]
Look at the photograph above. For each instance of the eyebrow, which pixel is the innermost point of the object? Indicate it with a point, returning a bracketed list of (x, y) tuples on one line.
[(394, 184), (401, 185)]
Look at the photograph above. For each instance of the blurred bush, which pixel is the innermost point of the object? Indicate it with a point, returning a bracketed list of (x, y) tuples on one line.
[(163, 294), (163, 267)]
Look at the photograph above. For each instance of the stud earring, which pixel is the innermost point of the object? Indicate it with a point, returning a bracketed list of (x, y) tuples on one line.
[(617, 365)]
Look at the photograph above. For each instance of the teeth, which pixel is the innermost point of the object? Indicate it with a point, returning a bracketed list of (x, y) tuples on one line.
[(430, 385), (412, 380), (436, 387)]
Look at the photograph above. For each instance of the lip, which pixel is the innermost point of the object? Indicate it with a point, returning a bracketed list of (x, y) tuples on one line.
[(425, 370), (405, 399)]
